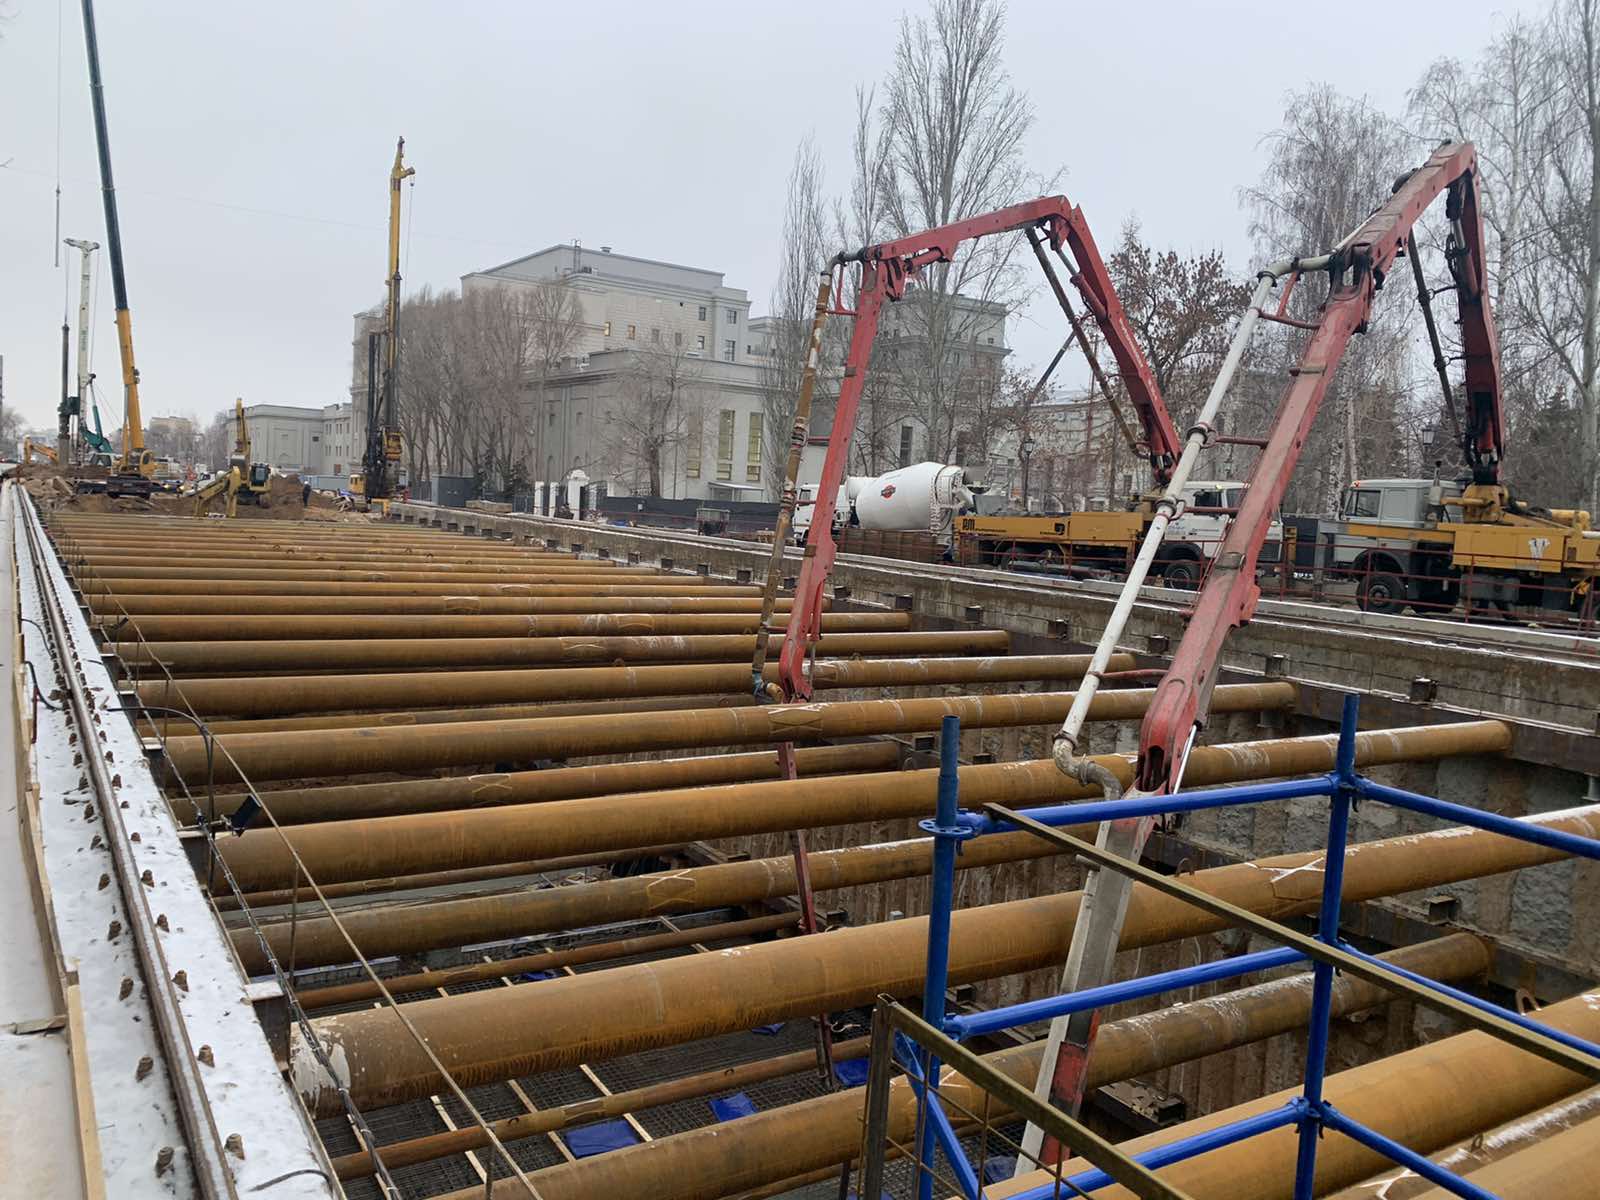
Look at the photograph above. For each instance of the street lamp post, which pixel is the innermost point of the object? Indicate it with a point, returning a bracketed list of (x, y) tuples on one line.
[(1025, 452)]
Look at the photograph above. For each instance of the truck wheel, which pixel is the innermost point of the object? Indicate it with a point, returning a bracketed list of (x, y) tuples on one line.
[(1381, 592), (1183, 575)]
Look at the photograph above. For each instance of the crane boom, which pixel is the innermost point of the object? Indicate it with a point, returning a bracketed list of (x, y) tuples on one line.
[(886, 269), (1355, 272), (135, 460)]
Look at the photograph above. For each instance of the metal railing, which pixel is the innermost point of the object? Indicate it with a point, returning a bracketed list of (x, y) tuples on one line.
[(304, 891), (922, 1048)]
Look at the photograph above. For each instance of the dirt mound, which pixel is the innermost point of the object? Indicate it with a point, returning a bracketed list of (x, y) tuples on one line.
[(55, 488)]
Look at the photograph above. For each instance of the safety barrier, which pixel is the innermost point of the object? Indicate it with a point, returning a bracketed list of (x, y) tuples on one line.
[(923, 1047)]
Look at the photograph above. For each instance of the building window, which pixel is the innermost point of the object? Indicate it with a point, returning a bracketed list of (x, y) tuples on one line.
[(677, 339), (633, 332), (655, 336), (752, 450), (605, 330), (725, 420), (732, 314), (695, 441), (905, 445), (702, 312), (729, 349), (700, 341), (315, 438)]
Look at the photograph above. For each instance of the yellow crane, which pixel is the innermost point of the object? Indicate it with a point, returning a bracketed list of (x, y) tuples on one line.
[(135, 462)]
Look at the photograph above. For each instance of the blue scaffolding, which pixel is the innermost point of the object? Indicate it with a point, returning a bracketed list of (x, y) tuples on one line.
[(1310, 1112)]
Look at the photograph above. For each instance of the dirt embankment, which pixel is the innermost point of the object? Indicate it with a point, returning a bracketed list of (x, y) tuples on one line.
[(57, 488)]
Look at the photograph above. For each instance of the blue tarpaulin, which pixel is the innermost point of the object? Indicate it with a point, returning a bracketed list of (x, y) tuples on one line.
[(852, 1072), (999, 1167), (768, 1030), (536, 976), (588, 1140), (731, 1108)]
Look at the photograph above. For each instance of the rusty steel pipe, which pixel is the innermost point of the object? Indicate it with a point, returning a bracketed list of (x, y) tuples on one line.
[(565, 573), (814, 1134), (1426, 1099), (339, 851), (482, 1037), (172, 728), (298, 806), (227, 602), (316, 627), (443, 923), (219, 552), (584, 1112), (545, 960), (432, 879), (432, 689), (412, 653), (387, 749), (1559, 1167), (1489, 1146), (666, 585)]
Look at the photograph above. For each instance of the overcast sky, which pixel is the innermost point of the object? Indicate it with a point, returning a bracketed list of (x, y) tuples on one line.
[(252, 146)]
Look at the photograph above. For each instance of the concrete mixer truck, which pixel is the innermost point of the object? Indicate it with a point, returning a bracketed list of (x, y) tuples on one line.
[(924, 497)]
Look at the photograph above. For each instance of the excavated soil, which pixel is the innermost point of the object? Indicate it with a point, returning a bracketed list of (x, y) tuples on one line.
[(55, 488)]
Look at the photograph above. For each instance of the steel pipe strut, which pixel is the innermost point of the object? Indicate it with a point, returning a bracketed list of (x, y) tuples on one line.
[(299, 806), (1426, 1099), (237, 628), (1561, 1167), (411, 653), (340, 851), (488, 1036), (229, 602), (456, 922), (670, 585), (722, 1160), (386, 749), (280, 696)]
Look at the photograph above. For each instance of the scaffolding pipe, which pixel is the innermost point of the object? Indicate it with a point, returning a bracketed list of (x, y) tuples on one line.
[(318, 626), (412, 653), (1426, 1099), (483, 1037), (457, 922), (826, 1131), (432, 689), (379, 749), (298, 806)]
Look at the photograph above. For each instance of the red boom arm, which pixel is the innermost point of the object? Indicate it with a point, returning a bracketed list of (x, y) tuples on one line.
[(886, 268), (1356, 271)]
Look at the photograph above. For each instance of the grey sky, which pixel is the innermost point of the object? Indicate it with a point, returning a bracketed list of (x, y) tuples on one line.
[(252, 143)]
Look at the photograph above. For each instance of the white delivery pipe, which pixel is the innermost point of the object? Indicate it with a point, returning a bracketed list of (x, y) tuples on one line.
[(1064, 748)]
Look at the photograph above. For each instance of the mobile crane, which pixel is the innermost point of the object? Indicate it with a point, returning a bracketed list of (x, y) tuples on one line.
[(384, 444)]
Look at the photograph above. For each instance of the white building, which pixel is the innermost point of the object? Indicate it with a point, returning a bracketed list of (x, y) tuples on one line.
[(306, 441)]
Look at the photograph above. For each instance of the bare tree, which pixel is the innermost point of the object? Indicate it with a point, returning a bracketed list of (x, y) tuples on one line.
[(1331, 163), (804, 251), (952, 130), (659, 394), (1183, 310)]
